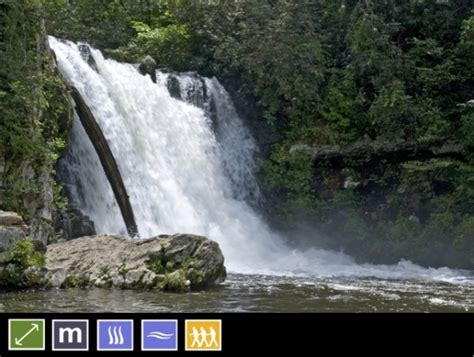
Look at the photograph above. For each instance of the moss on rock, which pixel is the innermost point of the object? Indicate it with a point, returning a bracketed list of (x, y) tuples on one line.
[(23, 268), (177, 263)]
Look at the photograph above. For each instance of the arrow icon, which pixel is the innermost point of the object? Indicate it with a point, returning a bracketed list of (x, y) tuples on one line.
[(26, 334), (19, 340)]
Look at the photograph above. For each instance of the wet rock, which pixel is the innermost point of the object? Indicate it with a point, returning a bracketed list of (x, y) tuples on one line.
[(175, 263), (174, 87), (193, 90), (148, 66), (72, 223), (86, 54)]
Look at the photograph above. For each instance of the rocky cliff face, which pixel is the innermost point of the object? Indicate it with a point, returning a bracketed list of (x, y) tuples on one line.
[(36, 116), (381, 200), (39, 207)]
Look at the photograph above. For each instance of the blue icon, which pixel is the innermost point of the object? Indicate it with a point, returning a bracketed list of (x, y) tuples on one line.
[(114, 335), (159, 335)]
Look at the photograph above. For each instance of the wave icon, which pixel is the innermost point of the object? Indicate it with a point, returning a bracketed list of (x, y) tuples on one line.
[(160, 335), (115, 335)]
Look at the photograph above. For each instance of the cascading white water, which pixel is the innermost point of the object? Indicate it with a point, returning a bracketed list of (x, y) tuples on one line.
[(237, 147), (185, 172)]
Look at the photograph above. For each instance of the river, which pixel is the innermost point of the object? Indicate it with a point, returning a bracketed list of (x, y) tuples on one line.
[(258, 293)]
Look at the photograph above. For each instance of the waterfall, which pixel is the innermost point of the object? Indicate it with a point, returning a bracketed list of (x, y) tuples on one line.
[(188, 166), (182, 172), (237, 147)]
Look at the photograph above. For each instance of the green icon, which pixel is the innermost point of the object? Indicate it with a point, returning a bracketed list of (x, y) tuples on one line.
[(26, 334)]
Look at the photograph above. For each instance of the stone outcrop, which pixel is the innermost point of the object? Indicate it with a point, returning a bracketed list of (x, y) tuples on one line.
[(87, 55), (11, 219), (174, 87), (71, 223), (366, 150), (12, 229), (175, 263), (21, 258), (148, 66)]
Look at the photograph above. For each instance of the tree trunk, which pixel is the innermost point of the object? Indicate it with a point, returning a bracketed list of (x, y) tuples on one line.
[(107, 160)]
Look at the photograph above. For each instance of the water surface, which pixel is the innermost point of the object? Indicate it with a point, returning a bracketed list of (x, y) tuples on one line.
[(254, 293)]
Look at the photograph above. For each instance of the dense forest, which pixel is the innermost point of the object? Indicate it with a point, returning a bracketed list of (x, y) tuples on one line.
[(363, 110)]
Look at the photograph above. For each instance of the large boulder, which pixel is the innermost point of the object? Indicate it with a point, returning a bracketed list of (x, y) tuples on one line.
[(176, 263)]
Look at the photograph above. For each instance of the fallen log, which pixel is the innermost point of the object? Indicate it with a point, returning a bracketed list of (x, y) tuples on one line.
[(107, 160)]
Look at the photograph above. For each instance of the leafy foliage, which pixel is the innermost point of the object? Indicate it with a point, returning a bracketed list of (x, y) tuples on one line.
[(24, 255), (33, 107), (170, 44), (16, 271)]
